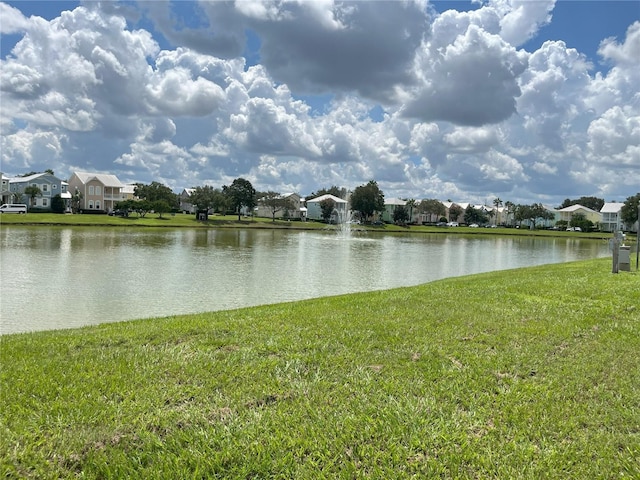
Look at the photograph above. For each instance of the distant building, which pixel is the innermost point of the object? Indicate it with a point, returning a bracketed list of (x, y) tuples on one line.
[(390, 205), (48, 184), (185, 201), (611, 217), (297, 211), (314, 211), (100, 191), (567, 213)]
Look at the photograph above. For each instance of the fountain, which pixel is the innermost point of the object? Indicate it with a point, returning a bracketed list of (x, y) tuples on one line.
[(344, 223)]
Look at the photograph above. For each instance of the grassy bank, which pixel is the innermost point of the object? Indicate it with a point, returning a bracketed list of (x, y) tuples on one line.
[(231, 221), (530, 373)]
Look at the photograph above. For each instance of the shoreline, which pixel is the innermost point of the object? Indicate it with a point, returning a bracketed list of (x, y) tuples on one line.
[(231, 222)]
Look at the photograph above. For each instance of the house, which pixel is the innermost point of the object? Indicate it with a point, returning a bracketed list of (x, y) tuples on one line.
[(185, 201), (5, 194), (567, 213), (295, 212), (314, 210), (99, 191), (611, 217), (48, 184), (447, 207), (390, 205)]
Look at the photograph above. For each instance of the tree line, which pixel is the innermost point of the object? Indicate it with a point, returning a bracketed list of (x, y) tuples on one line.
[(366, 201)]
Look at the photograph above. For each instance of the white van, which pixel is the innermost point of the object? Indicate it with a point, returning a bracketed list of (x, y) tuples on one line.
[(13, 208)]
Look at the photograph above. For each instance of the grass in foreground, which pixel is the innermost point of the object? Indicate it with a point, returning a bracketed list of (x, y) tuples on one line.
[(529, 373)]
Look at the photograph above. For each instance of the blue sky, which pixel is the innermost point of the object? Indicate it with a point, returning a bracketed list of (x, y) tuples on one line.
[(526, 101)]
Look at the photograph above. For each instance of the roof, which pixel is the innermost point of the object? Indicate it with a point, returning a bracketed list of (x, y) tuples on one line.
[(394, 201), (27, 179), (327, 196), (106, 179), (611, 207), (576, 207)]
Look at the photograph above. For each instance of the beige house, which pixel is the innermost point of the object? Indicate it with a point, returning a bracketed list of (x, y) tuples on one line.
[(567, 213), (99, 191)]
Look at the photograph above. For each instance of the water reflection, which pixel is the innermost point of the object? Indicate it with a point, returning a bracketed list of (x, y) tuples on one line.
[(68, 277)]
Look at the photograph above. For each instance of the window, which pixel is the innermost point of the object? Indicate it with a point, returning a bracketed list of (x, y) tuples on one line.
[(90, 204), (54, 186), (97, 204), (90, 189), (45, 187), (45, 202), (97, 189)]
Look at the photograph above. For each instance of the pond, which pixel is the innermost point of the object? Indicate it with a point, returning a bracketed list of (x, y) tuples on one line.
[(65, 277)]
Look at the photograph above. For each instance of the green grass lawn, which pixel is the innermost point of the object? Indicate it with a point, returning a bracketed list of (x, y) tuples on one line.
[(530, 373)]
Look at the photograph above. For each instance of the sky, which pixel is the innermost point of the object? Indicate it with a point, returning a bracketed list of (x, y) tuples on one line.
[(523, 100)]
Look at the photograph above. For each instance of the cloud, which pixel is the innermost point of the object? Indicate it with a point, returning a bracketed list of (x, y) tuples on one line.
[(13, 21), (472, 81), (314, 48), (460, 111)]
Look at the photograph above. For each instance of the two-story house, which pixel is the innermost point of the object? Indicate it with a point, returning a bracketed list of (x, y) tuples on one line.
[(47, 185), (611, 219), (314, 209), (5, 194), (567, 213), (99, 191), (390, 205)]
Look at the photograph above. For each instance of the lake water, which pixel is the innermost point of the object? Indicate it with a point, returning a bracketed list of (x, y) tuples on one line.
[(69, 277)]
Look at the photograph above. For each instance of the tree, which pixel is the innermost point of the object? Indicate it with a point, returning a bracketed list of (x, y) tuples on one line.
[(594, 203), (241, 194), (579, 220), (474, 215), (32, 192), (76, 201), (126, 206), (333, 190), (497, 203), (327, 206), (57, 204), (275, 202), (411, 203), (400, 215), (509, 208), (367, 200), (156, 192), (533, 213), (629, 211), (208, 198), (455, 211), (432, 206)]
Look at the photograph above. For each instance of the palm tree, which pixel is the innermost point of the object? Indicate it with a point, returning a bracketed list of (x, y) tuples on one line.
[(509, 206), (411, 203), (497, 202), (32, 191)]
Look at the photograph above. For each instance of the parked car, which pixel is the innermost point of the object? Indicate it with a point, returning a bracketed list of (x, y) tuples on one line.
[(13, 208), (574, 229), (453, 224), (474, 225)]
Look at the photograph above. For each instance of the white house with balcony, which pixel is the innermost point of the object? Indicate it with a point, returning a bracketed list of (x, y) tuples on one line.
[(611, 217), (99, 191)]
